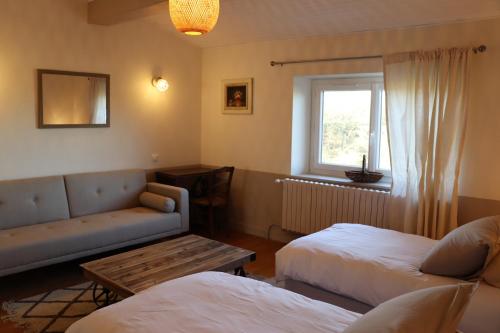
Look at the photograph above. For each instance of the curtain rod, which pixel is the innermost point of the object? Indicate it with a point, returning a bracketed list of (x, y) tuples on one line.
[(478, 49)]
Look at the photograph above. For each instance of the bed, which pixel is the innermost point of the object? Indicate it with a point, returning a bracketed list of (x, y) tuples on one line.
[(358, 267), (216, 302)]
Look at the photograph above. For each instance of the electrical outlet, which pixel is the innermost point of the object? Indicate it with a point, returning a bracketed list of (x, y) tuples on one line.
[(155, 157)]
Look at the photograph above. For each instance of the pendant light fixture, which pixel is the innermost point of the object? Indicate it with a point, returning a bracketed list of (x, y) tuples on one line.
[(194, 17)]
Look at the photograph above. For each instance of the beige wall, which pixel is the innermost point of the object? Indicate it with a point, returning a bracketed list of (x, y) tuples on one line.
[(54, 34), (262, 142)]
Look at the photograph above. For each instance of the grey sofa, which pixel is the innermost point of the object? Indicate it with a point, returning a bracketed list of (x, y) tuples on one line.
[(54, 219)]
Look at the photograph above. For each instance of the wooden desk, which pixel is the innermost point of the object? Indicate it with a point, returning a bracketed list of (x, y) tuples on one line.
[(196, 180), (178, 176)]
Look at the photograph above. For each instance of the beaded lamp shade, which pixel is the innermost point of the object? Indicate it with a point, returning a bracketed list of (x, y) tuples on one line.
[(194, 17)]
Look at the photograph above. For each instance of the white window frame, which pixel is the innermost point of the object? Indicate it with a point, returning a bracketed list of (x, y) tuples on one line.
[(373, 82)]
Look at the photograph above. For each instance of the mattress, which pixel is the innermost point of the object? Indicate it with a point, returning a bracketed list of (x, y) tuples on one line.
[(373, 265), (216, 302)]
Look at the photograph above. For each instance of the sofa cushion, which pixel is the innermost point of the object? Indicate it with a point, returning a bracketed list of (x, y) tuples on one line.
[(31, 201), (92, 193), (29, 244), (158, 202)]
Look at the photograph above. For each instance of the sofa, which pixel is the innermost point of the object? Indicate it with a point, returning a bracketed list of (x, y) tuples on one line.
[(49, 220)]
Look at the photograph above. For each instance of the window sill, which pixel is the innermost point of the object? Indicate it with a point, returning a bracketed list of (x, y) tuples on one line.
[(382, 185)]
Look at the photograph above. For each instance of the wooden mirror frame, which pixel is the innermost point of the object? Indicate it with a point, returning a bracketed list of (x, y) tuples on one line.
[(41, 124)]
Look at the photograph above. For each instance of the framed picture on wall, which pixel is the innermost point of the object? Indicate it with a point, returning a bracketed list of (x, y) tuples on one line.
[(237, 96)]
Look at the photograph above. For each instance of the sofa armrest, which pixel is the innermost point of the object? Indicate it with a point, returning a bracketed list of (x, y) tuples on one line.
[(181, 197)]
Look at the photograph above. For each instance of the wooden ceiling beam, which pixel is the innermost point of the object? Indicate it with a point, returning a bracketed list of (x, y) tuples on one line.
[(109, 12)]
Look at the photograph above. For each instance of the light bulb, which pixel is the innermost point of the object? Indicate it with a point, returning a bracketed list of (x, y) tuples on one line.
[(161, 84)]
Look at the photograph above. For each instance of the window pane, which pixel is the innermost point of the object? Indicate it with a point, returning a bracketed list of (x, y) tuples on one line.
[(345, 127), (384, 161)]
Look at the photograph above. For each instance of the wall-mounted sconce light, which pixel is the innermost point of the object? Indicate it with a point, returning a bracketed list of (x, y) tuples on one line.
[(160, 84)]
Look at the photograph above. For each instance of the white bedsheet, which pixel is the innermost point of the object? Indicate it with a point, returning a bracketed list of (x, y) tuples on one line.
[(216, 302), (373, 265)]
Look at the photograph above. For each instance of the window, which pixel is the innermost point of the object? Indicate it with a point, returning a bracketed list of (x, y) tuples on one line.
[(348, 122)]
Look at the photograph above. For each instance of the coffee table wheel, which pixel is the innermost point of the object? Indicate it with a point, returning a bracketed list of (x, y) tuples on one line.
[(102, 296), (240, 271)]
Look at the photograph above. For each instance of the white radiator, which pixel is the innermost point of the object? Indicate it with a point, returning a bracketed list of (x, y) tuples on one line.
[(311, 206)]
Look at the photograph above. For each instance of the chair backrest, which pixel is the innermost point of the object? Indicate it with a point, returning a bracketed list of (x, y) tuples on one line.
[(219, 182)]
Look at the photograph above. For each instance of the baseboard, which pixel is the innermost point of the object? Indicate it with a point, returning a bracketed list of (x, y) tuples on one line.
[(275, 234)]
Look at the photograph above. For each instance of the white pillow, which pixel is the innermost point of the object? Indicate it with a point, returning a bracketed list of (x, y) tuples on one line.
[(492, 272), (465, 251), (158, 202), (432, 310)]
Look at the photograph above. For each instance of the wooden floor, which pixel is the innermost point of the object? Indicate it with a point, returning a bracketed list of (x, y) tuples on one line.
[(41, 280), (265, 249)]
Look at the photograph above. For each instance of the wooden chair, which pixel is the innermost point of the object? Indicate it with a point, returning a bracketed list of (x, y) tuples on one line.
[(218, 186)]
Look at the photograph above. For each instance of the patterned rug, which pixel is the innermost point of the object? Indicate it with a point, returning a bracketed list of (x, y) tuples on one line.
[(51, 312), (55, 311)]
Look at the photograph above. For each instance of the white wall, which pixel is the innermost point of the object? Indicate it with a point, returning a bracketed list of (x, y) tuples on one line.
[(262, 142), (54, 34), (301, 126)]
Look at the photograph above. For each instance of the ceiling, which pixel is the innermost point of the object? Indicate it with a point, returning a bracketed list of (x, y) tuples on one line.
[(243, 21)]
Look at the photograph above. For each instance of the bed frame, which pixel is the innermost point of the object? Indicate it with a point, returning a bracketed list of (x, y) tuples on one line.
[(325, 296)]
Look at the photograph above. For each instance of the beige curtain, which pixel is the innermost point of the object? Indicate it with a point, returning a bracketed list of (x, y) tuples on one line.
[(426, 94), (98, 100)]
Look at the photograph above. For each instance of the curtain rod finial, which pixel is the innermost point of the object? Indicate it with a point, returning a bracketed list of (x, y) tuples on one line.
[(479, 49)]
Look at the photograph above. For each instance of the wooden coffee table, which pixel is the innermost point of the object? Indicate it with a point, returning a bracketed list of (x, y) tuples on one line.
[(127, 273)]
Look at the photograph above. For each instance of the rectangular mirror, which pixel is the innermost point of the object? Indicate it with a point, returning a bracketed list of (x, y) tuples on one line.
[(72, 99)]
